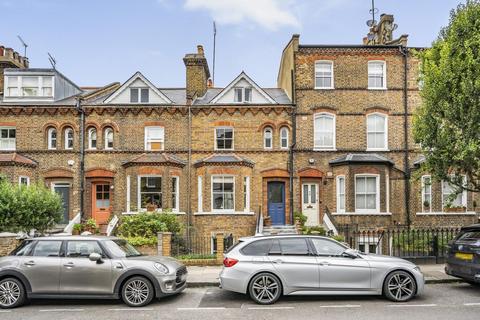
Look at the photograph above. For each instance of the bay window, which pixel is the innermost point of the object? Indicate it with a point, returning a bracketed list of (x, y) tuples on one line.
[(452, 198), (341, 194), (149, 191), (367, 193), (223, 194)]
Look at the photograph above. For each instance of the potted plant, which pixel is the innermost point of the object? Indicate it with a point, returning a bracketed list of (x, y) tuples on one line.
[(267, 221), (151, 207), (77, 229), (426, 205), (90, 225)]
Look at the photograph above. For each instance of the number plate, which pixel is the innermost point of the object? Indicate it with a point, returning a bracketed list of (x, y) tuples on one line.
[(464, 256)]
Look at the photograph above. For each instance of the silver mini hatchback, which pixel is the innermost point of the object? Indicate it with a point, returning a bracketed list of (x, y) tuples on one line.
[(86, 267), (268, 267)]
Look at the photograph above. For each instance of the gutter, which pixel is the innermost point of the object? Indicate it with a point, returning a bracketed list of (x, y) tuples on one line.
[(292, 147)]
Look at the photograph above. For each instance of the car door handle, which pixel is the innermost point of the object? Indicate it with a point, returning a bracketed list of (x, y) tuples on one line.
[(324, 263), (278, 261), (69, 265), (118, 266), (29, 263)]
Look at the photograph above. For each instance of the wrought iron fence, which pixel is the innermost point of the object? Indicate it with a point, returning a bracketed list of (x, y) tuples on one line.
[(413, 244), (199, 246)]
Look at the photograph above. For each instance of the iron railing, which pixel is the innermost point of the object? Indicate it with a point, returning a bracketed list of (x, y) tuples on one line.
[(199, 246)]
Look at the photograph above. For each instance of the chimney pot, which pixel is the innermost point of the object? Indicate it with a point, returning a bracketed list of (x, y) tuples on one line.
[(209, 83), (200, 49)]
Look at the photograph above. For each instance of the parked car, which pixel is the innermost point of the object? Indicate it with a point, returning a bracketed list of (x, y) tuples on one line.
[(86, 267), (463, 257), (268, 267)]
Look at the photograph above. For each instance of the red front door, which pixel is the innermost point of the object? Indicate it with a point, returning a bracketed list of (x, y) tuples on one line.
[(101, 196)]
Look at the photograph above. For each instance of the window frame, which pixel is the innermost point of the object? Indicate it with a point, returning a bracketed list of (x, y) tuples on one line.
[(334, 131), (385, 131), (464, 193), (423, 185), (176, 205), (147, 140), (90, 140), (66, 138), (19, 86), (50, 139), (233, 137), (286, 138), (270, 129), (24, 177), (105, 138), (242, 89), (246, 193), (341, 192), (139, 91), (139, 190), (384, 75), (9, 140), (377, 193), (223, 192), (330, 62)]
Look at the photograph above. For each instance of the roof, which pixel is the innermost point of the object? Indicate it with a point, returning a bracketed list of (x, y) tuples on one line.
[(15, 158), (224, 159), (69, 237), (277, 94), (472, 227), (419, 161), (155, 158), (361, 158)]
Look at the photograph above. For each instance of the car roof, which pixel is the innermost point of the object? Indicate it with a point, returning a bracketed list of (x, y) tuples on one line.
[(69, 237), (472, 227), (277, 236)]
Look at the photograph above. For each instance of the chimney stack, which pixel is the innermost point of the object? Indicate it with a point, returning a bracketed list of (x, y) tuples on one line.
[(197, 73), (10, 59), (381, 33)]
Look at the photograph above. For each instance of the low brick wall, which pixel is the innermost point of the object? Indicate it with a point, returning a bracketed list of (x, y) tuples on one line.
[(148, 250), (201, 262), (8, 242)]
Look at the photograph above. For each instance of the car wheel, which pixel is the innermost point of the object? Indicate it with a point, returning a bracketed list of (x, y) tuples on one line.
[(265, 288), (399, 286), (12, 293), (137, 292)]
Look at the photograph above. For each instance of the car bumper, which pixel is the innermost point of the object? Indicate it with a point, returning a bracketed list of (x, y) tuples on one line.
[(465, 270), (420, 279), (169, 285), (233, 280)]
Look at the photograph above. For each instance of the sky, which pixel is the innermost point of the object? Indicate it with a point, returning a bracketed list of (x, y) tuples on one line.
[(96, 42)]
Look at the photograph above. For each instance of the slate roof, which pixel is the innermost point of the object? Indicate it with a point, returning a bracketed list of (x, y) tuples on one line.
[(277, 94), (224, 159), (16, 159), (146, 158), (361, 158)]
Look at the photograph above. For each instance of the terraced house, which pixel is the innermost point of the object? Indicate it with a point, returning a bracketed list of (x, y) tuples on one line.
[(356, 163), (209, 154)]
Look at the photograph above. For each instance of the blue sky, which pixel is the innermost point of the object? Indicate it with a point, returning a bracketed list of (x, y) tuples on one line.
[(100, 41)]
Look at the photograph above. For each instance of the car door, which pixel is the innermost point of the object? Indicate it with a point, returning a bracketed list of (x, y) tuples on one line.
[(340, 272), (41, 266), (79, 274), (295, 263)]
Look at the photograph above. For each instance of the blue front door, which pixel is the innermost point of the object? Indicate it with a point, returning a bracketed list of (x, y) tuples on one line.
[(276, 202)]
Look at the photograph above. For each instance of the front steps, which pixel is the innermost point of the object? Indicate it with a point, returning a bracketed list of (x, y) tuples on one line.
[(280, 230)]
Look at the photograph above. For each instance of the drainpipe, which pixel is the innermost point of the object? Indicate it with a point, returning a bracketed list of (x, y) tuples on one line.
[(404, 52), (81, 112), (189, 181), (292, 147)]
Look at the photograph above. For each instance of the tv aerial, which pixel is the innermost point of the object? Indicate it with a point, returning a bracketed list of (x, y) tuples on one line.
[(24, 46), (373, 11), (52, 60)]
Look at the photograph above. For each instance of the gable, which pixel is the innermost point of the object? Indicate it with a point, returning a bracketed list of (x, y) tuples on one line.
[(137, 81), (227, 95)]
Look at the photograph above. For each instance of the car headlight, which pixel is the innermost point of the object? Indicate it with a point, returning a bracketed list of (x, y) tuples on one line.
[(161, 267)]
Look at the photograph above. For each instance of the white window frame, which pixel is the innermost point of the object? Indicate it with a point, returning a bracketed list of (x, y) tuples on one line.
[(270, 129), (139, 188), (90, 140), (139, 95), (66, 139), (40, 86), (424, 177), (233, 137), (330, 62), (147, 140), (24, 177), (242, 89), (211, 194), (246, 191), (334, 118), (284, 129), (105, 140), (50, 138), (464, 193), (385, 131), (384, 87), (377, 200), (176, 208), (200, 194), (9, 140), (341, 192)]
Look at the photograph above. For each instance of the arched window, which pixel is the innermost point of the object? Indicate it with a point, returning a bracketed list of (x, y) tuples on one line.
[(284, 138), (68, 138), (52, 138), (324, 131), (377, 132), (108, 136), (92, 138), (267, 138)]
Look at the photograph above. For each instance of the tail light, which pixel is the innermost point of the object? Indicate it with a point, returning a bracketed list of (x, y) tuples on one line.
[(229, 262)]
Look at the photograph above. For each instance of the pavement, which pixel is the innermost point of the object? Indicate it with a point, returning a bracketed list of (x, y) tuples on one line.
[(208, 276), (443, 301)]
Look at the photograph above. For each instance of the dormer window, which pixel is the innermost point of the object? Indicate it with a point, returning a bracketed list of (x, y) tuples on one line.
[(29, 86), (139, 95), (243, 95)]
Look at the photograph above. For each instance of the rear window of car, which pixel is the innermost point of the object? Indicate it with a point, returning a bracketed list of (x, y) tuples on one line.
[(294, 246), (23, 249), (257, 248), (469, 235)]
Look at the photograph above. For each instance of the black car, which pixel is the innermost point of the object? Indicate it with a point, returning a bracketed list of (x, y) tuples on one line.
[(463, 260)]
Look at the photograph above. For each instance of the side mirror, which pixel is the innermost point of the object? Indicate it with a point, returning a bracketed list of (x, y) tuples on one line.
[(95, 257), (350, 253)]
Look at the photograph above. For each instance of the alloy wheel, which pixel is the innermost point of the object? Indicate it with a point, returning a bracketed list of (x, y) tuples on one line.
[(10, 293), (137, 292), (265, 289), (401, 286)]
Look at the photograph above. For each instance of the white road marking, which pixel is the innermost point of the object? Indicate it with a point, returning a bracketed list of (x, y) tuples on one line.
[(131, 309), (61, 310), (341, 306), (412, 305), (270, 308), (5, 311), (200, 308), (472, 304)]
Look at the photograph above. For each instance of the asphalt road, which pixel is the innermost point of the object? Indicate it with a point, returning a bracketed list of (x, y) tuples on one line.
[(440, 301)]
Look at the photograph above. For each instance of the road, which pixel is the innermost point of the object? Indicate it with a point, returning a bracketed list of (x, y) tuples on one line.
[(440, 301)]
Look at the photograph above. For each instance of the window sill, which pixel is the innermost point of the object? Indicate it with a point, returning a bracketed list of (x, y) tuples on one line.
[(376, 150), (385, 89), (324, 149), (156, 211), (361, 213), (442, 213), (326, 88), (235, 213)]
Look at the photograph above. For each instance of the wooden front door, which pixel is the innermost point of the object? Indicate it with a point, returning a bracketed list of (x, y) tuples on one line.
[(101, 196)]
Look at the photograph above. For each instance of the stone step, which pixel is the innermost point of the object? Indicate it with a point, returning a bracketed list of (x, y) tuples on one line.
[(271, 230)]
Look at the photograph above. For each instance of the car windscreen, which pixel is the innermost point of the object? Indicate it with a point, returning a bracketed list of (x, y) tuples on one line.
[(23, 249), (471, 235), (121, 248)]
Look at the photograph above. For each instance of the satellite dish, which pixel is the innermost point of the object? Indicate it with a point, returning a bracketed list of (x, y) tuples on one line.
[(371, 36), (371, 23), (395, 26), (373, 11)]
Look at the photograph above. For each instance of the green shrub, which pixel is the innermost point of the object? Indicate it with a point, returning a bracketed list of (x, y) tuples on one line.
[(147, 225), (300, 217), (316, 230), (194, 256), (23, 208), (338, 237), (141, 241)]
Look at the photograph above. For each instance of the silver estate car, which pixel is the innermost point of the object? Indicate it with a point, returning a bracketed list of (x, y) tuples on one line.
[(268, 267), (86, 267)]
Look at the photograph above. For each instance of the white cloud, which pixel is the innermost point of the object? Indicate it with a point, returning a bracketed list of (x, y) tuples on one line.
[(270, 14)]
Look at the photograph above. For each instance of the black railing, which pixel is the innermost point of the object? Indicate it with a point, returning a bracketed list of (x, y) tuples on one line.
[(199, 246)]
